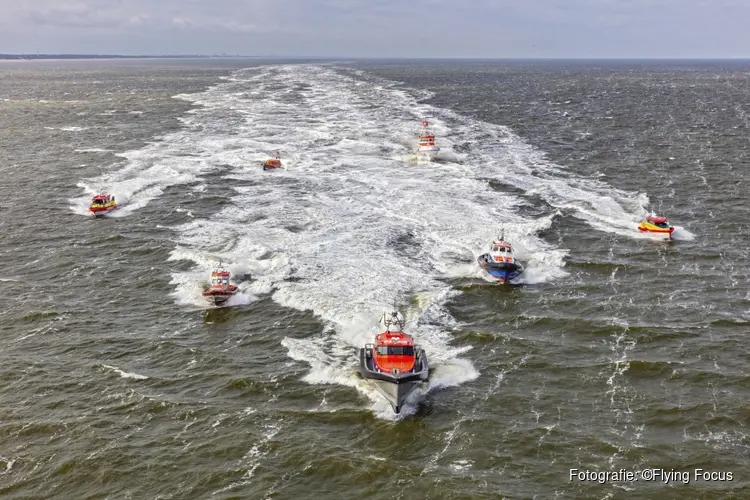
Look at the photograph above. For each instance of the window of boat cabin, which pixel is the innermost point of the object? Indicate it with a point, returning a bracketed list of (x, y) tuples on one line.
[(396, 351)]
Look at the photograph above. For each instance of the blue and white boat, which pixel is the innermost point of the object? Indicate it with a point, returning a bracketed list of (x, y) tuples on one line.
[(499, 262)]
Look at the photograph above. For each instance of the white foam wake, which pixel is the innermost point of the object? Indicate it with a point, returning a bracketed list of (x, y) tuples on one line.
[(348, 226), (178, 158), (123, 373)]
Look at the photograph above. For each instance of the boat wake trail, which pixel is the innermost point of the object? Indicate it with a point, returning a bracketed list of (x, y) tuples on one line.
[(348, 226), (506, 158), (179, 158)]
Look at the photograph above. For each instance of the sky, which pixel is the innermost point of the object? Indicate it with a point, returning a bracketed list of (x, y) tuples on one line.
[(380, 28)]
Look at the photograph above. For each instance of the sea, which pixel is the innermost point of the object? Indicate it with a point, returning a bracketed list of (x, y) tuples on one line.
[(615, 366)]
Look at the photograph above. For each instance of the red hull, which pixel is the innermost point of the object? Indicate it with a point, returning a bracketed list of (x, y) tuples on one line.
[(220, 295)]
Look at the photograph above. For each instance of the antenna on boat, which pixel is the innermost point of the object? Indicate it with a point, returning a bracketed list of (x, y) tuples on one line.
[(394, 319)]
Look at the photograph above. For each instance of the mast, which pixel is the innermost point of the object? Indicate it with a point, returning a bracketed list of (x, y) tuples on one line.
[(394, 319)]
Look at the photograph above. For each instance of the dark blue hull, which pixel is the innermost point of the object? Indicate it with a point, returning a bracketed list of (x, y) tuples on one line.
[(502, 272)]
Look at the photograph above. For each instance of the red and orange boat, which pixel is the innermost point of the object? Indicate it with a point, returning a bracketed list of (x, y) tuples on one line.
[(393, 363), (220, 288), (102, 204), (658, 225), (273, 163), (427, 147)]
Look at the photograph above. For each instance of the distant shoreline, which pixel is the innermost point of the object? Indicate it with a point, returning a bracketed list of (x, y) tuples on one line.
[(47, 57)]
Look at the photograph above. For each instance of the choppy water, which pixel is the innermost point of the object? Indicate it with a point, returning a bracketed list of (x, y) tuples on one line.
[(615, 351)]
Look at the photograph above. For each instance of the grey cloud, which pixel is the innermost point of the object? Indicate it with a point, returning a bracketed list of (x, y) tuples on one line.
[(83, 16), (435, 28)]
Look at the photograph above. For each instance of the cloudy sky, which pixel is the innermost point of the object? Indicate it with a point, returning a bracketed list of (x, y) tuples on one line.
[(380, 28)]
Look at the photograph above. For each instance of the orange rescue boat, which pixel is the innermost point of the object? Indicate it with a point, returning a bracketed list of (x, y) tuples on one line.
[(220, 288), (393, 363), (102, 204), (273, 163), (658, 225)]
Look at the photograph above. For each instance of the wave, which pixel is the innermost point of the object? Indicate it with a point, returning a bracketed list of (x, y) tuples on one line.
[(122, 373)]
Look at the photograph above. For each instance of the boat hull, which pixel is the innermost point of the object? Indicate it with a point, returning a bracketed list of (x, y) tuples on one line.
[(101, 213), (395, 387), (217, 298), (645, 227), (503, 272), (430, 152), (271, 164)]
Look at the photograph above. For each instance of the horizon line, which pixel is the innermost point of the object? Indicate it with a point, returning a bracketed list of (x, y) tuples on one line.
[(38, 56)]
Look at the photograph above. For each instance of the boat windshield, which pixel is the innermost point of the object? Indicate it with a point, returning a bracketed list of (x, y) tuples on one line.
[(661, 224), (225, 281), (397, 351)]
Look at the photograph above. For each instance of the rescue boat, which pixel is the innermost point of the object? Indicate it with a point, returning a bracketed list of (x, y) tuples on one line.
[(394, 365), (273, 163), (499, 262), (658, 225), (427, 147), (220, 289), (102, 204)]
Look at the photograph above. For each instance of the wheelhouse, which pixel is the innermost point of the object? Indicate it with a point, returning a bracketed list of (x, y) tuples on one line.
[(395, 350), (501, 247), (220, 278), (102, 199)]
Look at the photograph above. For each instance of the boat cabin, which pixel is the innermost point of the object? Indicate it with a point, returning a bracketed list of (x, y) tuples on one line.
[(102, 199), (394, 353), (383, 350), (426, 140), (658, 221), (426, 137), (501, 251), (220, 278), (393, 343), (501, 246)]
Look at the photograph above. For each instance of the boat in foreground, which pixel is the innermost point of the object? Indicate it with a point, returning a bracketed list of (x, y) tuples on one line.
[(394, 365), (102, 204), (273, 163), (220, 289), (499, 262), (427, 147), (656, 225)]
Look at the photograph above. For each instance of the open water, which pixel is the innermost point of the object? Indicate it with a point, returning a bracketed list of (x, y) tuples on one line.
[(615, 350)]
